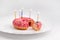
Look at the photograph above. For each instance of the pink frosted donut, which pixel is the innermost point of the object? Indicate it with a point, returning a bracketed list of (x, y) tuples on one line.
[(37, 26), (29, 20), (20, 23)]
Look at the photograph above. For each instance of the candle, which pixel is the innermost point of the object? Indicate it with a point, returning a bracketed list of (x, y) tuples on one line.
[(30, 13), (19, 13), (15, 13), (22, 12), (38, 16)]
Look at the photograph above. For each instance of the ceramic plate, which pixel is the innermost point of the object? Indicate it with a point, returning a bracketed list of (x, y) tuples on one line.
[(7, 27)]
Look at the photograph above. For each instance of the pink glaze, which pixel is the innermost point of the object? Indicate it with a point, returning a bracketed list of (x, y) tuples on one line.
[(20, 22), (38, 24), (29, 20)]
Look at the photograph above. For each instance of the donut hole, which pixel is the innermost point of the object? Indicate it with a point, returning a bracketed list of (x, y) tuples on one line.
[(37, 22), (29, 23)]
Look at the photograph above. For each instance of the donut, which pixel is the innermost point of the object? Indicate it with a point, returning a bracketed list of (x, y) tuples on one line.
[(29, 20), (37, 26), (20, 24)]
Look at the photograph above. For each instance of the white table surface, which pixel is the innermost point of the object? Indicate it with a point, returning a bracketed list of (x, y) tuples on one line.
[(53, 10)]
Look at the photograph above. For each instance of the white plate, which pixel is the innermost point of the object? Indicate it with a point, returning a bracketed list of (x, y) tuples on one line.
[(7, 27)]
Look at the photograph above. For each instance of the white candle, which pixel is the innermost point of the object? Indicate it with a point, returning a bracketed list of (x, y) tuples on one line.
[(22, 12), (15, 13), (38, 15), (19, 13), (30, 11)]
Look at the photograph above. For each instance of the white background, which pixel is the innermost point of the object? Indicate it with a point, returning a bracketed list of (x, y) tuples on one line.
[(50, 8)]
